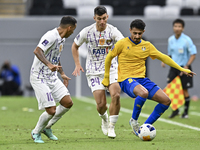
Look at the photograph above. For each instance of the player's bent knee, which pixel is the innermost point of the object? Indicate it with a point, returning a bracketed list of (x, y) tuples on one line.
[(51, 110)]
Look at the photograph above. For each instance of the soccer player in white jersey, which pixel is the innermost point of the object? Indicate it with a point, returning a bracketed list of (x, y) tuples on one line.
[(99, 38), (49, 89)]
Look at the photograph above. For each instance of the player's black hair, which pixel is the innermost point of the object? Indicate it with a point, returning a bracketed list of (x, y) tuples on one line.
[(100, 10), (138, 23), (68, 20), (179, 21)]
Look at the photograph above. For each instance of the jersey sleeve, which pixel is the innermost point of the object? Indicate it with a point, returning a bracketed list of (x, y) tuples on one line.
[(46, 41), (117, 34), (81, 37), (169, 48), (116, 49), (191, 47), (154, 53)]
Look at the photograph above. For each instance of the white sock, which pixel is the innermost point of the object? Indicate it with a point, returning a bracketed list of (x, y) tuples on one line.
[(113, 119), (60, 111), (104, 116), (42, 122)]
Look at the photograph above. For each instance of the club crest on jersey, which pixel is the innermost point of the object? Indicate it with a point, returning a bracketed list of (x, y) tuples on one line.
[(45, 42), (109, 41), (60, 48), (101, 41), (143, 48)]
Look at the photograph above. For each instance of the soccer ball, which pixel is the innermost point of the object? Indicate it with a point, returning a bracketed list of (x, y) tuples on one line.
[(147, 132)]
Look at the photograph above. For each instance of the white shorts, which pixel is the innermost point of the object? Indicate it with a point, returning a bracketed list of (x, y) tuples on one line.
[(48, 93), (94, 81)]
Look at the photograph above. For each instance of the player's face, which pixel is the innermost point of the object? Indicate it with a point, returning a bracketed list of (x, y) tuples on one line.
[(70, 30), (136, 34), (178, 28), (101, 21)]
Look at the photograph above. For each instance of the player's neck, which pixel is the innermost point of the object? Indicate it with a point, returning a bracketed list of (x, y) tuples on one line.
[(177, 35), (101, 29)]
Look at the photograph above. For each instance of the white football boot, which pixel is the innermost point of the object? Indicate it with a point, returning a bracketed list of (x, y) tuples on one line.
[(111, 131), (104, 127), (134, 125)]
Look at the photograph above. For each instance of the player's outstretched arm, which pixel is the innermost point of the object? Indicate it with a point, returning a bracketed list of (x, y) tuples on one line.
[(75, 55), (40, 55), (108, 60), (167, 60)]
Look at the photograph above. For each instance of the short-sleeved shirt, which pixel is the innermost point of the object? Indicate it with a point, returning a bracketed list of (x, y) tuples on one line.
[(52, 45), (180, 49), (98, 44), (132, 56)]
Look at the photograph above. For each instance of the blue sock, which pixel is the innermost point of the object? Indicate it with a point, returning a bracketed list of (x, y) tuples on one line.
[(158, 111), (139, 102)]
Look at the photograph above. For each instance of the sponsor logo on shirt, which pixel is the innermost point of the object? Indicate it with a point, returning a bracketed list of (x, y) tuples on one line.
[(99, 51), (45, 42)]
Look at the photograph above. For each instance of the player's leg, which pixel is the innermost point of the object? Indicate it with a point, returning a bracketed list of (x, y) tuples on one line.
[(187, 82), (61, 95), (45, 101), (114, 108), (100, 98), (164, 102), (98, 90), (140, 93), (187, 103)]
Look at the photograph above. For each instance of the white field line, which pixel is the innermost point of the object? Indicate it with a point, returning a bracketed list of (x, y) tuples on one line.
[(92, 101)]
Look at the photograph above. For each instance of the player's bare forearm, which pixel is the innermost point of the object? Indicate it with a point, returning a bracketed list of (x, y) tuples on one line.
[(40, 55), (60, 69), (190, 61), (75, 54)]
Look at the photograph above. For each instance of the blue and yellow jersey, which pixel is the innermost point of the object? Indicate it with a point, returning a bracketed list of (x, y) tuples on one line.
[(131, 59), (132, 56)]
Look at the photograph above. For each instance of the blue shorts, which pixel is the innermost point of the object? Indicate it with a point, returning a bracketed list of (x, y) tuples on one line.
[(129, 84)]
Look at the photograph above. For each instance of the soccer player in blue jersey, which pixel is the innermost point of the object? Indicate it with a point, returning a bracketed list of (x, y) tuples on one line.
[(132, 52), (182, 50)]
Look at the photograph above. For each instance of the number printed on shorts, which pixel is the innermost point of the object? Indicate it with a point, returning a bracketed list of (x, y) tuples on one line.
[(49, 96), (95, 81)]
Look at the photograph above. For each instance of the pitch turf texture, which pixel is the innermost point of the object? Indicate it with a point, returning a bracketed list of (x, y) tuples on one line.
[(79, 129)]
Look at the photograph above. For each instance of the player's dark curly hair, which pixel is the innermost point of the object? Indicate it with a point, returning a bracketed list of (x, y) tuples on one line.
[(100, 10), (179, 21), (68, 20), (138, 23)]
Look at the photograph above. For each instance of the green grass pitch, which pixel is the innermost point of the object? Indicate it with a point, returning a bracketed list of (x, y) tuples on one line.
[(79, 129)]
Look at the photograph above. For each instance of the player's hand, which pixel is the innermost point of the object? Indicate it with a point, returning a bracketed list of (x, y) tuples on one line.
[(105, 82), (54, 67), (77, 70), (191, 74), (163, 64), (65, 79)]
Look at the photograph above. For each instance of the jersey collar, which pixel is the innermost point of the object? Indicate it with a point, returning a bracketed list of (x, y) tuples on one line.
[(134, 42)]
